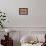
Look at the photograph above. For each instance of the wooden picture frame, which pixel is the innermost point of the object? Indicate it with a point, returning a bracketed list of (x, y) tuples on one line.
[(23, 11)]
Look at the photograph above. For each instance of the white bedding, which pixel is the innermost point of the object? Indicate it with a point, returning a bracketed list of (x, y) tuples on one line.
[(27, 44), (1, 45)]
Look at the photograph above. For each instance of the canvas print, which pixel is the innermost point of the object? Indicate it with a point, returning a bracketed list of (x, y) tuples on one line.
[(23, 11)]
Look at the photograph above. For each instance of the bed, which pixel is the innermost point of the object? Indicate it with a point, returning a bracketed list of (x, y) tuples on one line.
[(32, 40)]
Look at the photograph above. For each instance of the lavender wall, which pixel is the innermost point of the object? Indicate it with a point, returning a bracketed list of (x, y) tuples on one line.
[(34, 22), (37, 19)]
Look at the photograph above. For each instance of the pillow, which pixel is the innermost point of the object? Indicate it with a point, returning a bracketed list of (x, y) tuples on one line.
[(26, 44), (41, 37), (24, 39), (28, 39)]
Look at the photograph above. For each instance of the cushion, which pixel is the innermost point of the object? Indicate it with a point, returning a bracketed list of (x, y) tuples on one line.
[(26, 39)]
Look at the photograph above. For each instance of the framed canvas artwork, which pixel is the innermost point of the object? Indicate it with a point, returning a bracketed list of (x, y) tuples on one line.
[(23, 11)]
